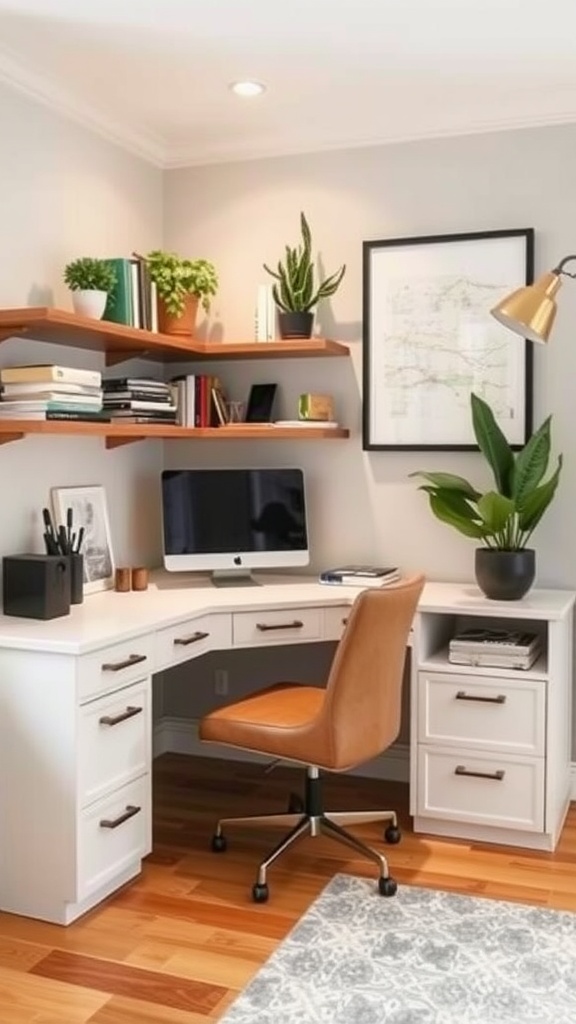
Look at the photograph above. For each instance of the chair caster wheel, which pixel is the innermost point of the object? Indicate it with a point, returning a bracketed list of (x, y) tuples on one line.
[(218, 843), (392, 834), (295, 804), (259, 893), (387, 886)]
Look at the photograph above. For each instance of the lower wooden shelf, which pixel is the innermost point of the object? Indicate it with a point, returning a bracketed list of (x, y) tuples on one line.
[(117, 434)]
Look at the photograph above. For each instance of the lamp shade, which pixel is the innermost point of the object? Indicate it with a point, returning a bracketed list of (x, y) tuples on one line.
[(530, 311)]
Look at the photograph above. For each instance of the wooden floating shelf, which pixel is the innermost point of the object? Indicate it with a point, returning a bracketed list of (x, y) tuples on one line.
[(117, 434), (120, 342)]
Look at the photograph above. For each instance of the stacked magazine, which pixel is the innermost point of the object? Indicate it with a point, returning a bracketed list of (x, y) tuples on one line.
[(360, 575), (498, 648)]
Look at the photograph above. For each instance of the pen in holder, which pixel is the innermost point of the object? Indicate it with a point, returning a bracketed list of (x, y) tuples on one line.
[(76, 578)]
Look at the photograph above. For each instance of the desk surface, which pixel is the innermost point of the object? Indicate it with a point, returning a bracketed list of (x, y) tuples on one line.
[(109, 617)]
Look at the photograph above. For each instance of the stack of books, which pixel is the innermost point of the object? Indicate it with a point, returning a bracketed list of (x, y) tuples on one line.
[(497, 648), (360, 576), (138, 400), (48, 392), (200, 400)]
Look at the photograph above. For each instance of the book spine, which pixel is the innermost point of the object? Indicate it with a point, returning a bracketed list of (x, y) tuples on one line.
[(119, 305)]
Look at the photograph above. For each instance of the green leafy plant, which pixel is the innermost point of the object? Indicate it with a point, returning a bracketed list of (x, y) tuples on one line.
[(175, 278), (89, 274), (295, 290), (503, 518)]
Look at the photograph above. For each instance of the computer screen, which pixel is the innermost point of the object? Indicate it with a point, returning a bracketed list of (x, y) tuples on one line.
[(229, 521)]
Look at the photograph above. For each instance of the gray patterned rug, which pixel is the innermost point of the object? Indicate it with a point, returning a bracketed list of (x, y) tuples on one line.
[(421, 957)]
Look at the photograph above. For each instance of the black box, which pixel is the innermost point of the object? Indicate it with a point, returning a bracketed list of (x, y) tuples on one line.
[(36, 586)]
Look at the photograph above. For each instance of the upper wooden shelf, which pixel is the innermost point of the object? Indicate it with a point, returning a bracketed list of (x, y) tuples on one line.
[(120, 342)]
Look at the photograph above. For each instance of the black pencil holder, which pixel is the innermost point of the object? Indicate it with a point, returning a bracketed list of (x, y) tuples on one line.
[(76, 579)]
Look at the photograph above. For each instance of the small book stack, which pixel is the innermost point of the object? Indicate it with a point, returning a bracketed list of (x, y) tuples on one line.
[(360, 576), (138, 400), (47, 392), (496, 648)]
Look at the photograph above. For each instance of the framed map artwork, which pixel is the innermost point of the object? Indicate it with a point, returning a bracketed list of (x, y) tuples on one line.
[(429, 339)]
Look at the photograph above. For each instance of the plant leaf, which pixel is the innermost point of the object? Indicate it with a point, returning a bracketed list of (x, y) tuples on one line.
[(496, 511), (536, 503), (532, 463), (448, 481), (445, 510), (493, 444)]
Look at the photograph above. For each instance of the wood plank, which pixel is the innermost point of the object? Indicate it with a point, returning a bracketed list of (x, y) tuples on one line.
[(124, 433)]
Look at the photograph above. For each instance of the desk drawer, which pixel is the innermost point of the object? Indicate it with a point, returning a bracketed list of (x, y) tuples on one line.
[(114, 741), (115, 666), (113, 834), (284, 626), (335, 619), (482, 712), (486, 789), (192, 638)]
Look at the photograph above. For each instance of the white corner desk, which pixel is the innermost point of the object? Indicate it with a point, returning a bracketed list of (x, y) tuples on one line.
[(490, 748)]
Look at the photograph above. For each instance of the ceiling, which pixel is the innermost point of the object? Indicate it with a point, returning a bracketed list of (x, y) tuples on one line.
[(154, 74)]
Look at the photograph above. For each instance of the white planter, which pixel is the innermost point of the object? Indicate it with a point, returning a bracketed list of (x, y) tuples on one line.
[(89, 303)]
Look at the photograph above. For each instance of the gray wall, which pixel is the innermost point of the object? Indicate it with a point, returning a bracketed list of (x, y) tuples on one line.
[(64, 192)]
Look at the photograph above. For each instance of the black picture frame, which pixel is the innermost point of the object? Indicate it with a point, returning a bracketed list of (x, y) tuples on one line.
[(429, 339)]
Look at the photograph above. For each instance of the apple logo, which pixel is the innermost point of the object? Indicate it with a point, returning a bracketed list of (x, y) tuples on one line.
[(237, 560)]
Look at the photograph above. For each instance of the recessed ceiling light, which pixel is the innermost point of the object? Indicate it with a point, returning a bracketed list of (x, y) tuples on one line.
[(248, 88)]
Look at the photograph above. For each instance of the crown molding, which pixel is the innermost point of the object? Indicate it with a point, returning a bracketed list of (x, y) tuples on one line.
[(179, 157), (45, 91)]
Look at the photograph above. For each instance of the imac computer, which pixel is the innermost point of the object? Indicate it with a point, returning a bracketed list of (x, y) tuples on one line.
[(231, 521)]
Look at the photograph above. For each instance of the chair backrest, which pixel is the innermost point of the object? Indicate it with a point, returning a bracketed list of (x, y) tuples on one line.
[(361, 711)]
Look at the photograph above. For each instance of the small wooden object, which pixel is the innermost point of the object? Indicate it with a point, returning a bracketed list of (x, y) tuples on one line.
[(122, 580), (139, 578)]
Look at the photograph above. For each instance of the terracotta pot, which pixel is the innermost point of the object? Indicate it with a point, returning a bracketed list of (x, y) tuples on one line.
[(185, 324)]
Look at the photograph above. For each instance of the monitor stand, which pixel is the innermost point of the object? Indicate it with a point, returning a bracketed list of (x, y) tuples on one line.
[(233, 578)]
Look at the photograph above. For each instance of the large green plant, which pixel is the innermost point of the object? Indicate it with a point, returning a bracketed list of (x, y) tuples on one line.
[(175, 278), (505, 517), (89, 274), (295, 290)]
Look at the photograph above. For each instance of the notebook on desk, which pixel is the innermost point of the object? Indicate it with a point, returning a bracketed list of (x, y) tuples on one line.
[(360, 575)]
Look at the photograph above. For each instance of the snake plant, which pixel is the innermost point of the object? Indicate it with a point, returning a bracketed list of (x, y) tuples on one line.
[(295, 290), (505, 517)]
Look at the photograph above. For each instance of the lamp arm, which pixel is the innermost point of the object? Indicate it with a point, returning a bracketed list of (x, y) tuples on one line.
[(560, 268)]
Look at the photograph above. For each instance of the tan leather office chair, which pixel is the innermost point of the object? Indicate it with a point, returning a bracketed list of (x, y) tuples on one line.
[(355, 718)]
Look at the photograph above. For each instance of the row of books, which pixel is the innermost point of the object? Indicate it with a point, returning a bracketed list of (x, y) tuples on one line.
[(133, 300), (200, 400)]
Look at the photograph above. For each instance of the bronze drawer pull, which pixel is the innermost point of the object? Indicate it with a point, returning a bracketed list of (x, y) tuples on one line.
[(183, 641), (345, 621), (122, 717), (114, 822), (116, 666), (495, 776), (462, 695), (264, 627)]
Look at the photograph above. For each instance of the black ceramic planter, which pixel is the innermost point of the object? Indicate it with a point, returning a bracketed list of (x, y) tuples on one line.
[(505, 575), (295, 325)]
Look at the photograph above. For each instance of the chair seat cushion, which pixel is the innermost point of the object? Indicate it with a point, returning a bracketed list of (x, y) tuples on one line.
[(272, 721)]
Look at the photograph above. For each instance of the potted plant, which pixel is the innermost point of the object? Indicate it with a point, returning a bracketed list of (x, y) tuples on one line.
[(90, 281), (181, 285), (504, 518), (295, 292)]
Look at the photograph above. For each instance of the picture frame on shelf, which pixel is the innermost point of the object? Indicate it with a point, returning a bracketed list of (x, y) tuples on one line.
[(429, 339), (90, 512)]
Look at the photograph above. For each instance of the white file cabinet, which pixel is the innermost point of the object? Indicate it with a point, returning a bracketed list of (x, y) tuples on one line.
[(490, 747)]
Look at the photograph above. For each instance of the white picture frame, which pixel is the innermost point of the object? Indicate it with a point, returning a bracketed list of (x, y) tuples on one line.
[(90, 513)]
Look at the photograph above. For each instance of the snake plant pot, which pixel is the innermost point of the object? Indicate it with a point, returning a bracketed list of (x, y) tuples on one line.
[(505, 575), (295, 325), (89, 302), (182, 325)]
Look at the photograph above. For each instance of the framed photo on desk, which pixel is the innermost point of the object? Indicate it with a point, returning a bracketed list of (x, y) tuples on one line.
[(429, 340), (89, 513)]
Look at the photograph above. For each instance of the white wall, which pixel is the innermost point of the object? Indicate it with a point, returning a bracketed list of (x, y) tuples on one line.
[(363, 505), (64, 192)]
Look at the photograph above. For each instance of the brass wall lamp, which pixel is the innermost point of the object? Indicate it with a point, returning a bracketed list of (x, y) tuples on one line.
[(530, 311)]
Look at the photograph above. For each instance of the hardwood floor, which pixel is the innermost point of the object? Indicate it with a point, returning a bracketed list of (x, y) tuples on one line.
[(177, 945)]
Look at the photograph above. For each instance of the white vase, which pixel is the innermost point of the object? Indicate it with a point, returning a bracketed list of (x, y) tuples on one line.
[(91, 303)]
